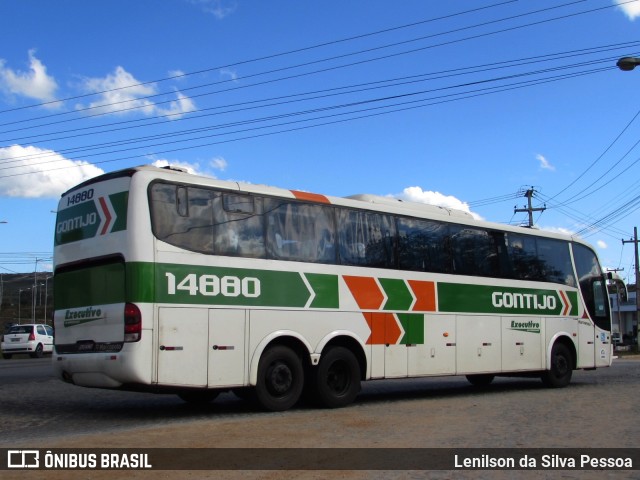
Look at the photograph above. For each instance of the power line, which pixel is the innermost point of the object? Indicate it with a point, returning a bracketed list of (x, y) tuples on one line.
[(486, 34), (342, 90), (15, 159), (615, 140), (266, 57), (408, 105)]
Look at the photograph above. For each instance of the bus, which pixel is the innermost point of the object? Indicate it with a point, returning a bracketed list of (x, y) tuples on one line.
[(170, 282)]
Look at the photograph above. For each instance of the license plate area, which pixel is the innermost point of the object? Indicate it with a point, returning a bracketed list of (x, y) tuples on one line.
[(85, 345)]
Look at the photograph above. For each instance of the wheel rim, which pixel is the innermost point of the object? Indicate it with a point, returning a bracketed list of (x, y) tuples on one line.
[(561, 365), (338, 377), (279, 378)]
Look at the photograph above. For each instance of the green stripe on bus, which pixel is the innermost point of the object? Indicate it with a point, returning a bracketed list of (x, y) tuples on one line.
[(326, 290), (119, 202), (194, 284), (399, 297), (453, 297), (413, 325)]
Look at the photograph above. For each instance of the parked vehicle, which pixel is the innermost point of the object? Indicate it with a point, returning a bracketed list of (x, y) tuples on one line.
[(7, 327), (616, 338), (36, 339)]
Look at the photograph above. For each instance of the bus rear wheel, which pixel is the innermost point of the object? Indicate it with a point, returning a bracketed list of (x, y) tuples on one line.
[(338, 378), (280, 379), (559, 374)]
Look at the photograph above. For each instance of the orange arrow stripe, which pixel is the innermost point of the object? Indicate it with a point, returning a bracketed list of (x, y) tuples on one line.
[(107, 215), (425, 293), (565, 301), (312, 197), (384, 328), (366, 292)]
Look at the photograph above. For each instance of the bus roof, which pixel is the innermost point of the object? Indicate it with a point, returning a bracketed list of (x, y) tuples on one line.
[(361, 201)]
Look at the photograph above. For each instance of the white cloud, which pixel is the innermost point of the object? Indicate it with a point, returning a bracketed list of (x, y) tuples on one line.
[(219, 163), (232, 74), (192, 168), (416, 194), (40, 179), (178, 107), (121, 93), (219, 8), (631, 10), (602, 244), (544, 163), (177, 73), (34, 83), (561, 230)]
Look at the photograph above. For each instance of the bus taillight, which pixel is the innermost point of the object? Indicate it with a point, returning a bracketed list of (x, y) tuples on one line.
[(132, 323)]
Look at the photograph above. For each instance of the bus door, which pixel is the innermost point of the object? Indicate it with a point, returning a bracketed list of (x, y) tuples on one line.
[(596, 300), (436, 353), (227, 347), (479, 347), (586, 344), (199, 347), (183, 336)]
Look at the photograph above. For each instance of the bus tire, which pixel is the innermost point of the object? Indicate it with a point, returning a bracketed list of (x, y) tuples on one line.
[(337, 378), (559, 374), (280, 379), (481, 379)]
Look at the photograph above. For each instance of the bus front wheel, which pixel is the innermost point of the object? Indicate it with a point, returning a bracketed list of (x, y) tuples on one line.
[(338, 378), (561, 369), (280, 379)]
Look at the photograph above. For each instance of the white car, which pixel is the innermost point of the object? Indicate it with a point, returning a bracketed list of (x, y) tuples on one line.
[(36, 339)]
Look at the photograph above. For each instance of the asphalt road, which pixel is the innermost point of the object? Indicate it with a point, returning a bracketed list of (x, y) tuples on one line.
[(600, 409)]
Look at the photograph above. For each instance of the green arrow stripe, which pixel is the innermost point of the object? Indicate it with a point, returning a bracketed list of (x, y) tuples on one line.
[(326, 289), (413, 325), (119, 203), (399, 296)]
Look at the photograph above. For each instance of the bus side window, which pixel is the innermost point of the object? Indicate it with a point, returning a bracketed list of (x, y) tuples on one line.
[(556, 261), (365, 238), (299, 231), (474, 252), (182, 216), (423, 245), (182, 201), (238, 228), (523, 257)]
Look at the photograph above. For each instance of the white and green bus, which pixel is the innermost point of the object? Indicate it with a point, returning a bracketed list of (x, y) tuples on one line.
[(172, 282)]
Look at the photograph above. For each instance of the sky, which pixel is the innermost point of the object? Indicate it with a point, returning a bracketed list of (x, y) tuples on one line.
[(464, 103)]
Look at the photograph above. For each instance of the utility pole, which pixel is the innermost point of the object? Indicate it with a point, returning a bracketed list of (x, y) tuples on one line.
[(529, 209), (635, 241), (618, 299)]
